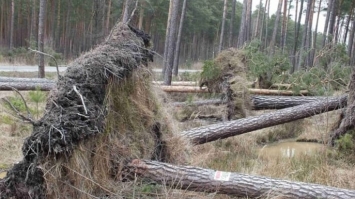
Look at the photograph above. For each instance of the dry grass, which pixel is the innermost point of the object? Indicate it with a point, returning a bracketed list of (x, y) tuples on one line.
[(237, 154)]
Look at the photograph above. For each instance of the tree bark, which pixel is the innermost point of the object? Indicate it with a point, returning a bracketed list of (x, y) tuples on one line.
[(284, 23), (304, 35), (241, 35), (236, 184), (26, 86), (298, 26), (125, 14), (231, 25), (276, 24), (227, 129), (279, 102), (260, 102), (171, 45), (178, 41), (222, 28), (351, 41), (41, 18), (11, 45), (314, 45), (327, 19)]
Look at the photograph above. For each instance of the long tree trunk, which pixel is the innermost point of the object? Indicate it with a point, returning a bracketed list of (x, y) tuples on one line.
[(125, 14), (41, 18), (257, 24), (332, 20), (305, 33), (108, 15), (276, 24), (314, 45), (309, 36), (295, 55), (284, 22), (178, 41), (222, 28), (171, 46), (241, 35), (236, 184), (167, 34), (227, 129), (231, 25), (351, 41), (327, 19), (248, 21), (12, 23), (261, 102)]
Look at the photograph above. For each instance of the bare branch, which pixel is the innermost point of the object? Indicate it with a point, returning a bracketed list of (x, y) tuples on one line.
[(51, 56), (18, 113)]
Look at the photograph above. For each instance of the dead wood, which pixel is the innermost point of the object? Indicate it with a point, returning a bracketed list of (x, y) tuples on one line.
[(223, 130), (235, 184)]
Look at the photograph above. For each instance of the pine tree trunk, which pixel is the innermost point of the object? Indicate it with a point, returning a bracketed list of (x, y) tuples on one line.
[(167, 34), (276, 24), (231, 26), (257, 24), (222, 28), (332, 20), (351, 41), (304, 35), (314, 45), (327, 19), (41, 18), (12, 23), (125, 14), (178, 41), (248, 21), (171, 46), (284, 22), (295, 55), (235, 184), (309, 36), (241, 35), (231, 128)]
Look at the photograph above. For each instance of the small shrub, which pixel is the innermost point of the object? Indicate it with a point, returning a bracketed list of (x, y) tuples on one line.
[(346, 143), (268, 68)]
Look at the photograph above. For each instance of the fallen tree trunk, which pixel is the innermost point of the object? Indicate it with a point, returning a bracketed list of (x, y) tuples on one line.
[(223, 130), (26, 86), (241, 185), (30, 80), (46, 85), (177, 83), (260, 102), (279, 102), (276, 92)]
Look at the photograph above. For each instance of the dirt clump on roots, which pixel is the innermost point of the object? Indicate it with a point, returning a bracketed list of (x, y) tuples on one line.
[(101, 115), (227, 74)]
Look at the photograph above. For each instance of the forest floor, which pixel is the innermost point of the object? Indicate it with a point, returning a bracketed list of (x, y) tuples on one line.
[(266, 152)]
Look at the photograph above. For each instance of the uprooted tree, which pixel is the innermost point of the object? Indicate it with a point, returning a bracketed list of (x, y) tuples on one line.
[(101, 114)]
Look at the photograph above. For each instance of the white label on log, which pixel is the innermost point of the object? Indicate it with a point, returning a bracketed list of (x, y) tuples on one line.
[(222, 176)]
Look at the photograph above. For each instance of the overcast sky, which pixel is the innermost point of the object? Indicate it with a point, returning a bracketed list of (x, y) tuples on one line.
[(273, 9)]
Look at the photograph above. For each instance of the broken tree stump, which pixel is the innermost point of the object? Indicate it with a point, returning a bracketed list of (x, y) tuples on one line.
[(223, 130), (235, 184)]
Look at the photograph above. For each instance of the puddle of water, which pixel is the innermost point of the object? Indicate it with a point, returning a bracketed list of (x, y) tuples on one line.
[(289, 149), (2, 175)]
